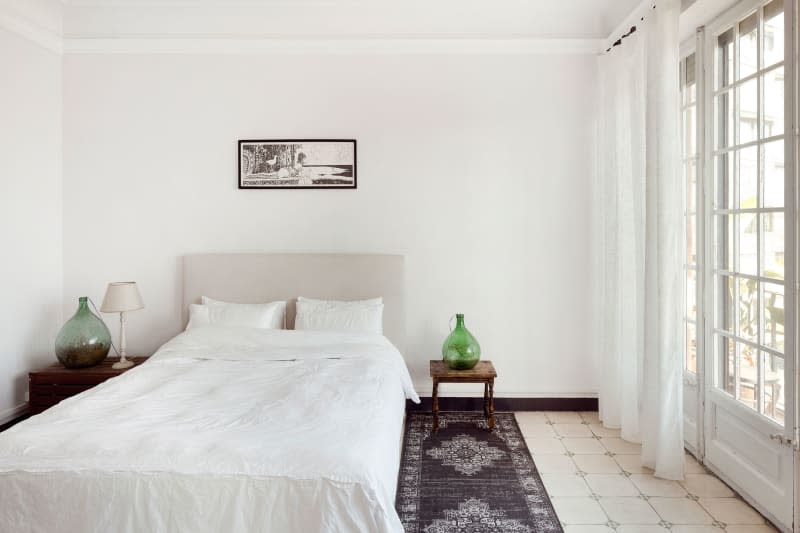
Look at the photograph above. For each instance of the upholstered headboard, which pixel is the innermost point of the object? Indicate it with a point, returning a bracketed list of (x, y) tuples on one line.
[(253, 278)]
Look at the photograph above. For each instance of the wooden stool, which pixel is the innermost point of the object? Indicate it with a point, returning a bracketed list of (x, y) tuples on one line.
[(483, 372)]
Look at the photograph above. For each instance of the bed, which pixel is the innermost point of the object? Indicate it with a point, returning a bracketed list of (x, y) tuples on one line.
[(229, 429)]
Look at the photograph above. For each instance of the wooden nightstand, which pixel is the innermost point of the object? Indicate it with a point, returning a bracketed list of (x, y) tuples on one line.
[(48, 386), (483, 372)]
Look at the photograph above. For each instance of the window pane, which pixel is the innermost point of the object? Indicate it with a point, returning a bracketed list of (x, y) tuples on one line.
[(773, 174), (772, 228), (725, 120), (748, 309), (688, 80), (690, 73), (773, 32), (774, 321), (726, 310), (748, 375), (774, 406), (725, 58), (691, 294), (748, 243), (747, 169), (773, 103), (691, 347), (690, 131), (726, 354), (691, 242), (691, 186), (725, 243), (747, 116), (748, 46), (724, 183)]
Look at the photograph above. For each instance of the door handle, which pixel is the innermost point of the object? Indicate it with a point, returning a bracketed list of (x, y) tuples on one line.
[(782, 439)]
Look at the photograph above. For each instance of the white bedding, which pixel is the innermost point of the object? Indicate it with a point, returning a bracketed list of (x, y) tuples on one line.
[(223, 430)]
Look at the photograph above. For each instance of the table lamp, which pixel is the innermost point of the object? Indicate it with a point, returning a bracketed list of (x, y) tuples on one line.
[(122, 297)]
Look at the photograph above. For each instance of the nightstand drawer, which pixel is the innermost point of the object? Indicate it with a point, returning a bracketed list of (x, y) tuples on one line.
[(41, 399), (50, 385), (41, 392), (63, 391)]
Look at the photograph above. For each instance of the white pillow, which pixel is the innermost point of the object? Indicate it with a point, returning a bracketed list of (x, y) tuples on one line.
[(339, 316), (265, 316), (346, 303), (198, 316)]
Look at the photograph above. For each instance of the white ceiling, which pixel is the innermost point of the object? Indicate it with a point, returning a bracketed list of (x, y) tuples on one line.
[(565, 19)]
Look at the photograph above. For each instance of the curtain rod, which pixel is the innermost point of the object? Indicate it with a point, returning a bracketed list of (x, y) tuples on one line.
[(627, 34)]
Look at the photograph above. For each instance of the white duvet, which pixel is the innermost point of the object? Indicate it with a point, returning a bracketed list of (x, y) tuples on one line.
[(223, 430)]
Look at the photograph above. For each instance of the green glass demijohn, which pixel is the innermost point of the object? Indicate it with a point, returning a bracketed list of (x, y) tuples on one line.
[(84, 340), (461, 350)]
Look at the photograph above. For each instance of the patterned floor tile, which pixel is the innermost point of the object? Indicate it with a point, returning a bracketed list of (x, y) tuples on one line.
[(681, 511), (579, 511), (706, 486), (731, 511), (597, 464), (611, 485), (653, 486), (629, 511)]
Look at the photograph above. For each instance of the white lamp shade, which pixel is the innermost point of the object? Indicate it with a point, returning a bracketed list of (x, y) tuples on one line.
[(122, 296)]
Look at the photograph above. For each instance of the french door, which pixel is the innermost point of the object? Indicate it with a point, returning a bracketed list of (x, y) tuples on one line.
[(748, 268)]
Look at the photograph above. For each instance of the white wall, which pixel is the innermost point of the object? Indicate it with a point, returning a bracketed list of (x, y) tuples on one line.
[(476, 168), (30, 213)]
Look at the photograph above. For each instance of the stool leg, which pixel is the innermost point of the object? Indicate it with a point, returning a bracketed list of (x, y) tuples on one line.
[(435, 404), (486, 400), (491, 404)]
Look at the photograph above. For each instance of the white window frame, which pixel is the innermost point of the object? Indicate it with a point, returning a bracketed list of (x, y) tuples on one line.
[(707, 375), (686, 160), (693, 381), (711, 151)]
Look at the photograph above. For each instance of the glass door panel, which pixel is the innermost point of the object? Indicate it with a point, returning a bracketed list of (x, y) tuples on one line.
[(745, 396)]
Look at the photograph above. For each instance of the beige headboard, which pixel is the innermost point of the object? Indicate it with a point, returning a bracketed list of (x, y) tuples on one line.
[(254, 278)]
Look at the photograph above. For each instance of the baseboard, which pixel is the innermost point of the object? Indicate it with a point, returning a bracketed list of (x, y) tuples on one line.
[(454, 403), (9, 417)]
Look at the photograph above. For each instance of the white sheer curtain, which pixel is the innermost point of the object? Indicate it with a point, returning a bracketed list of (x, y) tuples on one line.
[(639, 237)]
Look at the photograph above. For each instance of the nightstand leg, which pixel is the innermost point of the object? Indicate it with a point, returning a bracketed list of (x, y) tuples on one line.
[(435, 404), (486, 400), (491, 404)]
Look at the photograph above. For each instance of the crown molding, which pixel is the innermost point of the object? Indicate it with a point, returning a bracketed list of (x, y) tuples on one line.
[(352, 46), (30, 30), (40, 22), (222, 3)]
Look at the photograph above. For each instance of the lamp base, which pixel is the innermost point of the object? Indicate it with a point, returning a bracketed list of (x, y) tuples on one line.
[(119, 365)]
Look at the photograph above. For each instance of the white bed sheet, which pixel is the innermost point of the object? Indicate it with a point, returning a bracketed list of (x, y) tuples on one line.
[(223, 430)]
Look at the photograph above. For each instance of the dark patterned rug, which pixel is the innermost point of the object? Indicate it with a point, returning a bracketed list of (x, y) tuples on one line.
[(464, 479)]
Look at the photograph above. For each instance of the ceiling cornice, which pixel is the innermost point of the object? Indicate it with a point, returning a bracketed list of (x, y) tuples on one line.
[(218, 3), (40, 21), (339, 46)]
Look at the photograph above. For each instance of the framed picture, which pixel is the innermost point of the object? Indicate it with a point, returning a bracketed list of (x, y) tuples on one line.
[(297, 164)]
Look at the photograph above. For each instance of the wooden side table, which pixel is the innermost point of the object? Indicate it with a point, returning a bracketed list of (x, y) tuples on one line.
[(50, 385), (483, 372)]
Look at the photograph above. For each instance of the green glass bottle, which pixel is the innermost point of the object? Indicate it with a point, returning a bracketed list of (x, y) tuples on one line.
[(84, 340), (461, 350)]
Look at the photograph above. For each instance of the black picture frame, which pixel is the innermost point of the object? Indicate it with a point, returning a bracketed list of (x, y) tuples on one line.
[(287, 167)]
